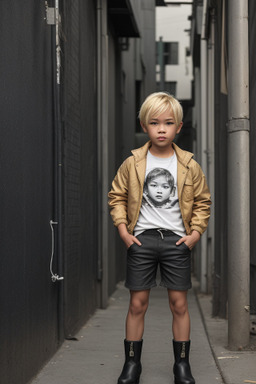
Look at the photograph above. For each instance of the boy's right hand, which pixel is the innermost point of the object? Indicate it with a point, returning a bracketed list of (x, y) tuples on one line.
[(127, 238)]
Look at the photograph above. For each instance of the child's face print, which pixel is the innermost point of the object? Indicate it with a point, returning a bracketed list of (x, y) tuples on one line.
[(159, 190)]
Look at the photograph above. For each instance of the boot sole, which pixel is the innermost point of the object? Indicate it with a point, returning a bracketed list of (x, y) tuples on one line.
[(135, 382)]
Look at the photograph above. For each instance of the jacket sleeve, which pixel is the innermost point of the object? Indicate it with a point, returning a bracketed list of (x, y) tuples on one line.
[(202, 201), (118, 196)]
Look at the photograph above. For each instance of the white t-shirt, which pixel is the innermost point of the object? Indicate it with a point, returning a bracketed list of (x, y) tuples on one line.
[(160, 205)]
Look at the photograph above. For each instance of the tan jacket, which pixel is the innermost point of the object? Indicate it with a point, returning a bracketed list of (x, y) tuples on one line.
[(126, 193)]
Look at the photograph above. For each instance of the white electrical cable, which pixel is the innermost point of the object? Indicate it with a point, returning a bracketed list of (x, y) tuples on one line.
[(54, 276)]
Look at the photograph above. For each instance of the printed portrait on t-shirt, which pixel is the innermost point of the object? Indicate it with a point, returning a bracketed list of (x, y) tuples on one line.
[(160, 204), (159, 189)]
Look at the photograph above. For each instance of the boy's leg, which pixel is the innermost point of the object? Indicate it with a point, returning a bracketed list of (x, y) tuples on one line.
[(181, 335), (181, 320), (134, 332), (136, 313)]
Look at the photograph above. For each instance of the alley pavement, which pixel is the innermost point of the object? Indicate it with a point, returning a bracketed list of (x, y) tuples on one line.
[(96, 356)]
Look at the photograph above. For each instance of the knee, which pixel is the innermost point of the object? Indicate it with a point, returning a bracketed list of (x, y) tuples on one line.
[(138, 307), (179, 308)]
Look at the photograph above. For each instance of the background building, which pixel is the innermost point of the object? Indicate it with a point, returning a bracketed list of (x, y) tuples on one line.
[(173, 32), (72, 77), (174, 72), (69, 90), (222, 41)]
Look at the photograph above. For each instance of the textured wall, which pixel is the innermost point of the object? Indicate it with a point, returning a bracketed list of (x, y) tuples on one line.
[(28, 321), (80, 162)]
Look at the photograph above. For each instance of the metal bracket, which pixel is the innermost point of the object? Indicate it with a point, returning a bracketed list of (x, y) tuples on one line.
[(50, 14), (236, 125), (53, 18)]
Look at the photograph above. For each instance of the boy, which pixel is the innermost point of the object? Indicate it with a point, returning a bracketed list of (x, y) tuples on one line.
[(154, 235)]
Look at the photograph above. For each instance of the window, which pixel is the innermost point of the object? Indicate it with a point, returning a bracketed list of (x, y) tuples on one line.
[(170, 52)]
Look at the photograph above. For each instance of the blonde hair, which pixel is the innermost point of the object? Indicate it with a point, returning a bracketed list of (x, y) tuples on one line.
[(158, 103)]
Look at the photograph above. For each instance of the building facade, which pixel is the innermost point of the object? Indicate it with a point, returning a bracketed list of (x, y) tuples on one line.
[(71, 75), (173, 34), (222, 41)]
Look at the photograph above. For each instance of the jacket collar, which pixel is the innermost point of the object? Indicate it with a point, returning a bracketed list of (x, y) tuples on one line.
[(184, 157), (140, 156), (141, 153)]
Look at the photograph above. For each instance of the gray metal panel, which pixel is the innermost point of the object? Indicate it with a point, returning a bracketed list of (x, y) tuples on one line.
[(28, 321)]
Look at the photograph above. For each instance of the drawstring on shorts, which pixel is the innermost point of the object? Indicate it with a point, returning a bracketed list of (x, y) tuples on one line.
[(161, 233)]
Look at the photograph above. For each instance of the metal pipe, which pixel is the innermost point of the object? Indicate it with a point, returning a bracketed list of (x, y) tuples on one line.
[(203, 150), (102, 131), (211, 153), (58, 171), (204, 20), (161, 63), (99, 143), (238, 176)]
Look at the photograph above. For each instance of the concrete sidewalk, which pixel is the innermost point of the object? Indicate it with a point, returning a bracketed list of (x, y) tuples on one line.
[(97, 356), (236, 367)]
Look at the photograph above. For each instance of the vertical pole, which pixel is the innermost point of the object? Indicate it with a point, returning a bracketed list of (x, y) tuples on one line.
[(161, 63), (102, 137), (58, 176), (238, 176), (203, 150), (211, 154)]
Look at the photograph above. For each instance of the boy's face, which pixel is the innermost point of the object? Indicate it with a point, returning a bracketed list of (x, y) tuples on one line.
[(162, 130)]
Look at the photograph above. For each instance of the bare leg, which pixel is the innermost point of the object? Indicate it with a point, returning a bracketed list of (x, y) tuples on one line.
[(136, 313), (181, 320)]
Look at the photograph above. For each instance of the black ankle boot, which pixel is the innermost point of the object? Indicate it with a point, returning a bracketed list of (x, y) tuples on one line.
[(181, 368), (132, 366)]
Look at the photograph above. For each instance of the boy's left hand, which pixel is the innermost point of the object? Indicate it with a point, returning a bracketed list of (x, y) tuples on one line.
[(190, 240)]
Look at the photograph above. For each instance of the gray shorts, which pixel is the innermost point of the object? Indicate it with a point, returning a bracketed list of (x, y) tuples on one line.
[(158, 247)]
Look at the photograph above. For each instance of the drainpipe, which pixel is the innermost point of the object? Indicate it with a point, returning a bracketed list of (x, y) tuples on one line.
[(59, 180), (203, 150), (211, 152), (102, 149), (56, 224), (161, 63), (238, 177)]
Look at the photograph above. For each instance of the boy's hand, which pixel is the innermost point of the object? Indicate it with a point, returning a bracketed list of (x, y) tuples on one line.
[(127, 238), (190, 240)]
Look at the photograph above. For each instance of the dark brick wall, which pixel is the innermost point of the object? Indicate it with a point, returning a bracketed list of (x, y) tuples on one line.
[(80, 161)]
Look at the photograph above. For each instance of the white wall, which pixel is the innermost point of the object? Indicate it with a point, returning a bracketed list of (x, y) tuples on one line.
[(171, 21)]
